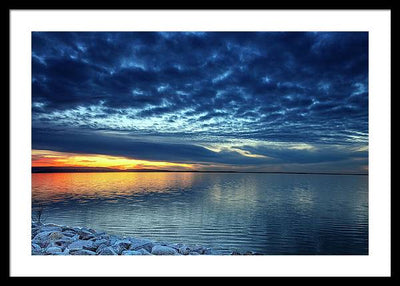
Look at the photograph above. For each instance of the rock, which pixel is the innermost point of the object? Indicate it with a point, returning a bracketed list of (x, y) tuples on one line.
[(36, 249), (131, 252), (67, 228), (216, 252), (81, 244), (103, 236), (69, 233), (164, 243), (100, 247), (123, 243), (42, 236), (43, 239), (113, 239), (82, 252), (108, 250), (163, 250), (53, 250), (199, 249), (75, 237), (141, 243), (176, 245), (63, 240), (90, 230), (140, 251), (51, 225), (194, 253), (97, 243), (184, 250), (56, 235), (143, 251), (60, 243), (61, 253), (85, 234), (118, 249), (35, 230)]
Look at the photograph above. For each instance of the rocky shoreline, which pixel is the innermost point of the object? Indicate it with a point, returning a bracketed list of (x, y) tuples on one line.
[(52, 239)]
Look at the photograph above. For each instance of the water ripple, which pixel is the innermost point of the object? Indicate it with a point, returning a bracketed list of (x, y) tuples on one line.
[(266, 213)]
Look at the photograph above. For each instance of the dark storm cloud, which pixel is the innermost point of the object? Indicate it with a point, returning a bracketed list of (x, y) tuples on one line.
[(92, 143), (117, 146), (306, 156), (283, 87)]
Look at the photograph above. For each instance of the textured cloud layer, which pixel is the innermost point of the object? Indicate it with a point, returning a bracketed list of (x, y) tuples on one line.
[(221, 96)]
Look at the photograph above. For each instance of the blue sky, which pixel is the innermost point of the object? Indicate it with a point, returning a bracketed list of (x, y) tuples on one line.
[(253, 101)]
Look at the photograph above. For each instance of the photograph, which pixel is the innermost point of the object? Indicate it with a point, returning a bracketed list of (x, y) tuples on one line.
[(199, 143)]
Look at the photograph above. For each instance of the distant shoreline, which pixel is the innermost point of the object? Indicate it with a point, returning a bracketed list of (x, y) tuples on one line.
[(109, 170)]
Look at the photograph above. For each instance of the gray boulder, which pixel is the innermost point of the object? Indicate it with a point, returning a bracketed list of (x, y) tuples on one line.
[(199, 249), (41, 236), (53, 250), (194, 253), (81, 244), (98, 242), (118, 248), (82, 252), (163, 250), (131, 252), (141, 243), (85, 234), (100, 247), (103, 236), (69, 233), (184, 250), (43, 239), (36, 249), (114, 238), (65, 240), (107, 250), (176, 245), (143, 251), (125, 243)]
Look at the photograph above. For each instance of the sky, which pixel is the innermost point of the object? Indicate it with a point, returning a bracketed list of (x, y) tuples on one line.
[(212, 101)]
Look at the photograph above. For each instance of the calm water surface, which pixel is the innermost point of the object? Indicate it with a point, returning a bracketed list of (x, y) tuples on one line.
[(266, 213)]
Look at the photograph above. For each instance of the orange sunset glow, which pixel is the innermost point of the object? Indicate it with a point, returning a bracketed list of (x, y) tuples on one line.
[(47, 158)]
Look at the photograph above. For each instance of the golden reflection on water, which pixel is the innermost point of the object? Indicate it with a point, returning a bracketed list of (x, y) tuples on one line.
[(59, 186)]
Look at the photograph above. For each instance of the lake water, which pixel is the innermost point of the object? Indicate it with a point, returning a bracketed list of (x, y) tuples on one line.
[(265, 213)]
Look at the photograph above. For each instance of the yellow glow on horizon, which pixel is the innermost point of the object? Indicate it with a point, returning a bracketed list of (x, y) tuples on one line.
[(47, 158)]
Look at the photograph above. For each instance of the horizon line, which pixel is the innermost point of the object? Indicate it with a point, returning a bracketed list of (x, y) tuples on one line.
[(110, 170)]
